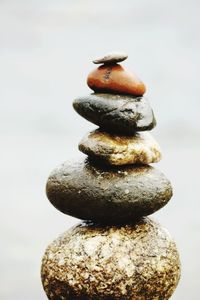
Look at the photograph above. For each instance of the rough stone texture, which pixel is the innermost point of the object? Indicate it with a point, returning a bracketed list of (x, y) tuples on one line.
[(89, 191), (116, 113), (93, 262), (121, 150), (111, 58), (115, 79)]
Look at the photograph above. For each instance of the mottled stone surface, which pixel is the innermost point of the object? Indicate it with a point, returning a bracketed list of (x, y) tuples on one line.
[(110, 58), (115, 79), (132, 262), (116, 113), (121, 150), (89, 191)]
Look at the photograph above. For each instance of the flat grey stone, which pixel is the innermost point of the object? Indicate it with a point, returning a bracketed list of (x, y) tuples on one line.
[(89, 191), (111, 58), (93, 262), (116, 113)]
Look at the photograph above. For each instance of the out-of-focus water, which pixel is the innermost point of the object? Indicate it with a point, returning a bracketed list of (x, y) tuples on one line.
[(46, 49)]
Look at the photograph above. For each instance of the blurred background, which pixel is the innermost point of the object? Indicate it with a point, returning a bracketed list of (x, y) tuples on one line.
[(46, 48)]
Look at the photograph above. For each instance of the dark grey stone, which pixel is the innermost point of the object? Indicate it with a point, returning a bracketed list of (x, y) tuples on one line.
[(116, 113), (89, 191)]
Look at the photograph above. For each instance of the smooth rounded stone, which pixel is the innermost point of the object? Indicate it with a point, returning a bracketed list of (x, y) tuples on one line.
[(116, 113), (94, 262), (90, 191), (121, 150), (115, 79), (111, 58)]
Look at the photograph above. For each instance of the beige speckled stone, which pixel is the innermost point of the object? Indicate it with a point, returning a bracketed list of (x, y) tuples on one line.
[(93, 262), (121, 150)]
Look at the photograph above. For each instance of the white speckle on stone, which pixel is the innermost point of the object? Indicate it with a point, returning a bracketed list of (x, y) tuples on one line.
[(86, 275), (50, 256), (97, 268), (71, 282), (126, 191), (91, 245), (106, 251), (92, 279), (61, 262)]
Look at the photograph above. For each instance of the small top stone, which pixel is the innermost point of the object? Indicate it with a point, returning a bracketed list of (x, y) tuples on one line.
[(111, 58)]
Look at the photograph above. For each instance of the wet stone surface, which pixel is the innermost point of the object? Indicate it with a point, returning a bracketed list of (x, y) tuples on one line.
[(94, 262), (90, 191), (121, 150), (120, 114)]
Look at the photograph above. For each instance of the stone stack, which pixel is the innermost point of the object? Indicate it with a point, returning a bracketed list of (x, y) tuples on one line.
[(117, 252)]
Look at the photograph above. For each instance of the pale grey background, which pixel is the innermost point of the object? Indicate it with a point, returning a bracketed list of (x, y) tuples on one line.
[(46, 49)]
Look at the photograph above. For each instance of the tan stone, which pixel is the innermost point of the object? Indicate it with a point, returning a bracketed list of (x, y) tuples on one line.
[(128, 262), (121, 150), (115, 79)]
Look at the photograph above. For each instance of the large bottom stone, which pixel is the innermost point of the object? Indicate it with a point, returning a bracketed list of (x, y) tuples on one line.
[(93, 262)]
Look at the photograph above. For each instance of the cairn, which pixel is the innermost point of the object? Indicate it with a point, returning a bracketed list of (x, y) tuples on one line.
[(117, 252)]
